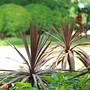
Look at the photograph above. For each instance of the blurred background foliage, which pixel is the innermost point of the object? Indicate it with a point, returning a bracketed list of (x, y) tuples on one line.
[(15, 15), (15, 19), (40, 14)]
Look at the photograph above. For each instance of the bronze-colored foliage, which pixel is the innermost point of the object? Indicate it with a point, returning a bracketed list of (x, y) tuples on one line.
[(67, 38), (37, 54)]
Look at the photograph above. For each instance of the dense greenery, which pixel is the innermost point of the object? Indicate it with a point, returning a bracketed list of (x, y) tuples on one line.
[(40, 14), (58, 81), (20, 2), (39, 11), (14, 19)]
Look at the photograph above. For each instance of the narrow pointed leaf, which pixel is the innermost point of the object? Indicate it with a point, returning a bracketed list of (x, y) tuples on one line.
[(71, 58), (44, 88)]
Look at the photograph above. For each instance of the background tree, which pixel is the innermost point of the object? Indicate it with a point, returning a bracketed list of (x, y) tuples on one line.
[(19, 2), (46, 11)]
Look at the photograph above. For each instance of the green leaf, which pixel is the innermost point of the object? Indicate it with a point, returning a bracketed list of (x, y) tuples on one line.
[(53, 86), (23, 84), (55, 77), (49, 79)]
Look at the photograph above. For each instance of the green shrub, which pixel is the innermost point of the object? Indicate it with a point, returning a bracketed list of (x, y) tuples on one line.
[(57, 17), (15, 19), (40, 14), (1, 22), (61, 81), (22, 86), (60, 17)]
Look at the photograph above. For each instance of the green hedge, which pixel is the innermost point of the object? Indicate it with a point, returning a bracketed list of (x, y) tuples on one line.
[(40, 14), (14, 19)]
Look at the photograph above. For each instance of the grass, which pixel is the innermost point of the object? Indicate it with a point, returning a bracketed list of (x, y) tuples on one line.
[(13, 40), (18, 42), (84, 40)]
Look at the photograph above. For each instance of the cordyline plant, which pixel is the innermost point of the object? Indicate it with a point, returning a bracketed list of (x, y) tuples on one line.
[(67, 38), (38, 55), (86, 59)]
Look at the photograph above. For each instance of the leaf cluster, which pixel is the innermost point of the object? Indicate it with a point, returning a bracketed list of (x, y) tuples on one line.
[(37, 56), (68, 48), (60, 81)]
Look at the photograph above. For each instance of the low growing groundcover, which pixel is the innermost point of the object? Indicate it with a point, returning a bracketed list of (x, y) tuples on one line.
[(57, 81)]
